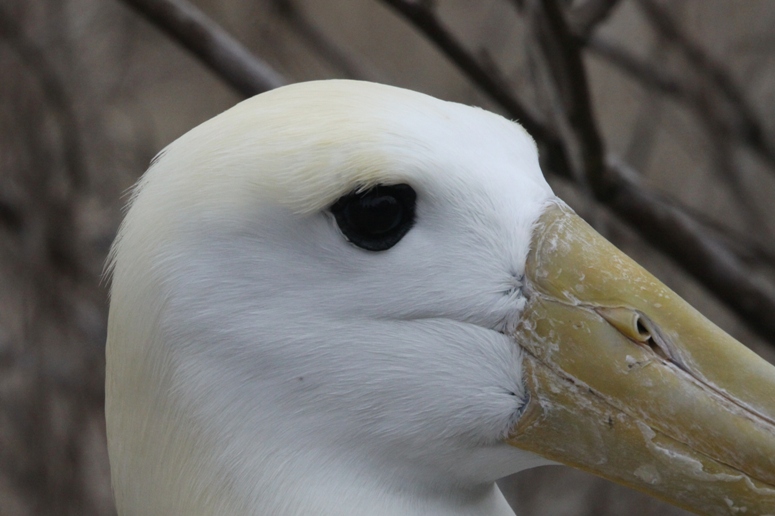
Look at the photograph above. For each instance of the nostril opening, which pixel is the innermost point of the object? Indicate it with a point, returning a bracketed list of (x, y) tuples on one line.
[(642, 330), (639, 329), (627, 321)]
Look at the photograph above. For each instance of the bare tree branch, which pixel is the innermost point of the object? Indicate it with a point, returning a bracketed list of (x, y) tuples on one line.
[(585, 17), (562, 52), (754, 251), (653, 77), (216, 48), (319, 42), (37, 62), (710, 92), (59, 227), (719, 118), (729, 105), (421, 15)]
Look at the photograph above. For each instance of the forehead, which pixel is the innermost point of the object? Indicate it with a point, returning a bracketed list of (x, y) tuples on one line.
[(305, 145)]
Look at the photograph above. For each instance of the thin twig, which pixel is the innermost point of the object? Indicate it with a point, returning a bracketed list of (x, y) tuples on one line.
[(723, 120), (319, 42), (654, 77), (586, 16), (740, 120), (562, 55), (755, 252), (211, 44), (55, 93), (59, 222), (708, 107), (421, 15)]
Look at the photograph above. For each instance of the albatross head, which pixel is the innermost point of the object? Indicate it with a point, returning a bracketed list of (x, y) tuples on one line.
[(347, 298)]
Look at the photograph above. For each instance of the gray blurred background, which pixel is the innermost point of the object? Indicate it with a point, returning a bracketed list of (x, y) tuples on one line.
[(90, 92)]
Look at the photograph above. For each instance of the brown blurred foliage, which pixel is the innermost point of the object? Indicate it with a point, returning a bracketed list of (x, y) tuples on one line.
[(89, 92)]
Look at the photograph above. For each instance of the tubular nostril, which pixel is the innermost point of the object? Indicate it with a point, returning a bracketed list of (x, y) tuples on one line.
[(639, 328), (628, 322)]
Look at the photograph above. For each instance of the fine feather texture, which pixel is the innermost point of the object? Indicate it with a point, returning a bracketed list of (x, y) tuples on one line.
[(258, 363)]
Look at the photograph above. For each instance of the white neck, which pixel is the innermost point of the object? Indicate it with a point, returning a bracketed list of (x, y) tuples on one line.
[(193, 475)]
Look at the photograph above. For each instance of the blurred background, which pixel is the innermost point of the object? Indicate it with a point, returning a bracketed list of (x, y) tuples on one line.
[(682, 92)]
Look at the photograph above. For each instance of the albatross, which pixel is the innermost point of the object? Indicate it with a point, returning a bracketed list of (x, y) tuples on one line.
[(345, 298)]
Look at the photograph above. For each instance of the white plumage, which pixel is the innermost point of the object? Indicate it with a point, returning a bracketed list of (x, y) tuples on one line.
[(259, 363), (278, 369)]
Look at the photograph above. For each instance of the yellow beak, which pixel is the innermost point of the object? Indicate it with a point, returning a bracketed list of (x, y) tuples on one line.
[(629, 382)]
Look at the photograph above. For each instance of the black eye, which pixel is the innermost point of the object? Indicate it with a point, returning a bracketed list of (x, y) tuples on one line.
[(377, 218)]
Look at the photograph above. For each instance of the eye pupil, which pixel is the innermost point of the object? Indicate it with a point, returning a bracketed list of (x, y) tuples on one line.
[(375, 214), (376, 219)]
